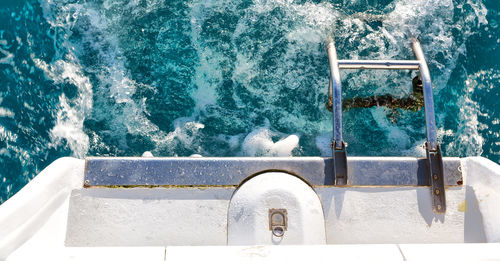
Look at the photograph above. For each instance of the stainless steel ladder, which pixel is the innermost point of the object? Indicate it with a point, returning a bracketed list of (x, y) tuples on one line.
[(433, 151)]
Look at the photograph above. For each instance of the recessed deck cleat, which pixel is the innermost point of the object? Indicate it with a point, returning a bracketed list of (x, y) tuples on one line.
[(275, 209)]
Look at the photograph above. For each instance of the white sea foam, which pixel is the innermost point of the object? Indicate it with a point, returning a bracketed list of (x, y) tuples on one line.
[(128, 115), (7, 135), (467, 139), (234, 141), (323, 143), (396, 136), (313, 23), (70, 114), (417, 150), (6, 113), (186, 132), (287, 73), (69, 126), (115, 83), (8, 59), (259, 143), (303, 27), (208, 72)]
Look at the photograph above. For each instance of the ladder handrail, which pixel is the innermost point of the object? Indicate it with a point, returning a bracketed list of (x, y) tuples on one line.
[(428, 100), (336, 93), (418, 64), (434, 158)]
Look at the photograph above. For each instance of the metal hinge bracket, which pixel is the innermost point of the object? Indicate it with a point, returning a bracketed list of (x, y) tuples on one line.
[(340, 165), (435, 173)]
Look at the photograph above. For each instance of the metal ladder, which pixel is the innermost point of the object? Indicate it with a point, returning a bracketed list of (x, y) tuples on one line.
[(433, 151)]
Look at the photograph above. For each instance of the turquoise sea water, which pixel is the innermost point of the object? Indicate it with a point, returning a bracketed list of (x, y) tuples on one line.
[(235, 78)]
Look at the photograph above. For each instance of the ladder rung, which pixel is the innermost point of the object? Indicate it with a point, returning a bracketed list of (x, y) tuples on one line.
[(379, 64)]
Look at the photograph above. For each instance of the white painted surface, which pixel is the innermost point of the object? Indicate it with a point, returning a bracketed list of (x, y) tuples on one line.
[(455, 252), (287, 253), (482, 176), (148, 216), (36, 222), (382, 215), (22, 215), (248, 218), (190, 216), (373, 252), (91, 254), (48, 238)]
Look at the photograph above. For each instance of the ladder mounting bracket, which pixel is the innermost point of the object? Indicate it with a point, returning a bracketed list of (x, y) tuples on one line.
[(436, 177)]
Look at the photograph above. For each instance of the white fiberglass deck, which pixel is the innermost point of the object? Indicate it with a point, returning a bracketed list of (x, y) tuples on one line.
[(56, 218)]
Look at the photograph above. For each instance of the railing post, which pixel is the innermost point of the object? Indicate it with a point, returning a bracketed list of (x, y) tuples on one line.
[(425, 76), (338, 146), (433, 151)]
